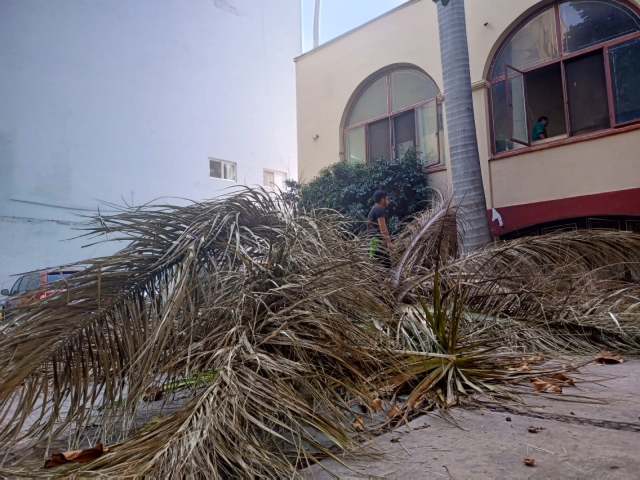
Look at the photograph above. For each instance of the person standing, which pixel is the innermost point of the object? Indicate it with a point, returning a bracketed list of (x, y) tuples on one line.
[(377, 229)]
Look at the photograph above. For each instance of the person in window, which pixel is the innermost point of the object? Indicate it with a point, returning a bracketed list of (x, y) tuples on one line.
[(377, 229), (539, 131)]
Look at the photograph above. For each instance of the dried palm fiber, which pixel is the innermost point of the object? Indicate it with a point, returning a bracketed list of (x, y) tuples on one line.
[(273, 311), (427, 237), (573, 288), (485, 311)]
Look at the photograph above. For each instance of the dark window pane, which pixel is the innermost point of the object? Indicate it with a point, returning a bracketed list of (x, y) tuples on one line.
[(34, 281), (54, 277), (16, 286), (588, 22), (533, 43), (379, 141), (215, 169), (500, 118), (603, 224), (624, 60), (24, 284), (587, 93), (404, 133), (545, 98), (568, 227), (633, 226)]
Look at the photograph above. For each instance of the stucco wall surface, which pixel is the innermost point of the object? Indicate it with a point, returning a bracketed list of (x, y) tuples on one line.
[(328, 76)]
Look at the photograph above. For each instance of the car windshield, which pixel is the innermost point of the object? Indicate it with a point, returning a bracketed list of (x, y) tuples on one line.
[(55, 276)]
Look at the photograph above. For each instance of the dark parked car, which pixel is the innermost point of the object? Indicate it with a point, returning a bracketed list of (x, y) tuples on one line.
[(18, 295)]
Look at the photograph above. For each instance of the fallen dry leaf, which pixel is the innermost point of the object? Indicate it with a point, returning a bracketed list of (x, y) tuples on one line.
[(520, 368), (376, 404), (563, 378), (607, 357), (529, 462), (393, 411), (76, 456), (152, 394), (538, 384), (358, 426), (541, 385), (422, 427)]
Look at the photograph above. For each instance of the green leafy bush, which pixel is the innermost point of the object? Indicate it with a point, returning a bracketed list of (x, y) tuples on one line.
[(349, 188)]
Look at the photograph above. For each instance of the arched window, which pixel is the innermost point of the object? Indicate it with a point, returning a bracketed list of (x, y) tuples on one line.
[(396, 111), (575, 64)]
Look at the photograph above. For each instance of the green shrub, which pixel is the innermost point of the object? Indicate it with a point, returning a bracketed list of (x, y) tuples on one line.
[(349, 188)]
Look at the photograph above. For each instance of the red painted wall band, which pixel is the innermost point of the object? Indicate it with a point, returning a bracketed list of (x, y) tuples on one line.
[(515, 217)]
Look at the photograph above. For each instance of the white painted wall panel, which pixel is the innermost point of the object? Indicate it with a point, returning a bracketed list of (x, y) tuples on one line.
[(127, 99)]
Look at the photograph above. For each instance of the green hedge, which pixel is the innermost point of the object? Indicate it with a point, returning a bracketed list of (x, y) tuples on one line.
[(349, 188)]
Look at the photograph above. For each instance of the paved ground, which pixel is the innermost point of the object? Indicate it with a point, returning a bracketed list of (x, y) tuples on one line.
[(590, 431)]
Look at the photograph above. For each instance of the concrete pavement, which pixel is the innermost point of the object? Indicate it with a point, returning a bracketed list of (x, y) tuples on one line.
[(591, 430)]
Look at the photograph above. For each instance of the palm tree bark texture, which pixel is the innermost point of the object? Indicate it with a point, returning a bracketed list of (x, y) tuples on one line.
[(463, 143)]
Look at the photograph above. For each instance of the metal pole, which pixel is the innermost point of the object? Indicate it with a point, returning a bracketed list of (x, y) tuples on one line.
[(316, 25)]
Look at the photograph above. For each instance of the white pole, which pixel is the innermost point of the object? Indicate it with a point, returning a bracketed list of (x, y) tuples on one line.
[(316, 25)]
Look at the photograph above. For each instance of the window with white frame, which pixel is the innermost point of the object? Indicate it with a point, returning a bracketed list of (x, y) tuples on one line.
[(222, 169), (272, 179)]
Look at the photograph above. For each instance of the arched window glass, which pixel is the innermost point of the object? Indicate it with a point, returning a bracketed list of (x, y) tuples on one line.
[(371, 104), (409, 87), (536, 42), (396, 112), (585, 23), (551, 83)]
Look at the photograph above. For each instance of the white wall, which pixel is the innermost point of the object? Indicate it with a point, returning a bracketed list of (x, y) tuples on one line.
[(127, 99)]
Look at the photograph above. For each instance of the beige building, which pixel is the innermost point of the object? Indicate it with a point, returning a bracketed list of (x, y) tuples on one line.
[(377, 90)]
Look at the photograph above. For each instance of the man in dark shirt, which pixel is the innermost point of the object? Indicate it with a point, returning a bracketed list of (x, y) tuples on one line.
[(377, 229)]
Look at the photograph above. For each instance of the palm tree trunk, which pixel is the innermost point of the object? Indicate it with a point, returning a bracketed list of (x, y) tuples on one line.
[(461, 127)]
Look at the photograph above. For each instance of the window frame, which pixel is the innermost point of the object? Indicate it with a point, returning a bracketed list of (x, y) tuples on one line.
[(222, 163), (562, 57), (391, 114), (512, 138), (273, 185)]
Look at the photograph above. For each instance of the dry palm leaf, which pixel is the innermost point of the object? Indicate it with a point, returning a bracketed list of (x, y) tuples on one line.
[(277, 315)]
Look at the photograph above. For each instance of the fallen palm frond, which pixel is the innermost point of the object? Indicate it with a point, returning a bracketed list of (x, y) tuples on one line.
[(274, 312), (432, 236), (280, 328), (577, 287), (565, 293)]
